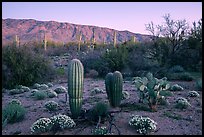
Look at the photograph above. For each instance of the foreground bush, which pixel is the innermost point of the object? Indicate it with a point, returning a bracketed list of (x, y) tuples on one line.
[(13, 112), (22, 66), (143, 125)]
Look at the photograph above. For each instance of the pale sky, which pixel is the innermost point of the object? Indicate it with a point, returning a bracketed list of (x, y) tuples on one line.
[(131, 16)]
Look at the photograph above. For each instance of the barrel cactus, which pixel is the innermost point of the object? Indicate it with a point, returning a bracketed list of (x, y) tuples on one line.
[(75, 86), (114, 87)]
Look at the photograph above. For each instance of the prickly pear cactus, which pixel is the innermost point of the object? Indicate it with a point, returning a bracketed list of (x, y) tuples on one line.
[(114, 87), (149, 88), (75, 86)]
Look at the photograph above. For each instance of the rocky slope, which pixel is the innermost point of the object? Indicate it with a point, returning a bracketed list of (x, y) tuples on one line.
[(33, 30)]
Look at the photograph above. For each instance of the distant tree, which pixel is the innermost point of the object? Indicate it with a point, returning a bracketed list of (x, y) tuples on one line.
[(167, 39)]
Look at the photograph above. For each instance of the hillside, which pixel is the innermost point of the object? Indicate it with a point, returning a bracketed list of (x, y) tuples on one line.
[(32, 30)]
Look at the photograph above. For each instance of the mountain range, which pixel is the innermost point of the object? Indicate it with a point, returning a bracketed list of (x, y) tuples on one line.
[(33, 30)]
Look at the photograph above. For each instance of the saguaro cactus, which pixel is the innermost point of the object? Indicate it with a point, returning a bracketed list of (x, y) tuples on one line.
[(45, 42), (17, 41), (114, 39), (75, 86), (114, 87), (79, 41)]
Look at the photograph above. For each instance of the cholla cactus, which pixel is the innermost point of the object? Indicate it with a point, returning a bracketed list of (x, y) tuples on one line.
[(143, 125), (100, 131), (51, 105), (15, 101), (149, 88), (62, 121), (176, 87), (193, 94), (60, 89), (41, 125), (182, 103)]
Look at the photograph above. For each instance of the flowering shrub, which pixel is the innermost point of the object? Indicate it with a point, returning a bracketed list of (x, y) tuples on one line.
[(62, 121), (100, 131), (182, 103), (125, 95), (15, 91), (51, 105), (176, 87), (41, 125), (51, 93), (193, 94), (49, 84), (60, 89), (15, 101), (143, 125)]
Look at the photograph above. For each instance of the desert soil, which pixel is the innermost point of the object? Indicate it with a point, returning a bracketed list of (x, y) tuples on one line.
[(188, 123)]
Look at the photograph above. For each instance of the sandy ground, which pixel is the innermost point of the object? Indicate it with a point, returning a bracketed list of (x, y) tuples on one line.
[(190, 122)]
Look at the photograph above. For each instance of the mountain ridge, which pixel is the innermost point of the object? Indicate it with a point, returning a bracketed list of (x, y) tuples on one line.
[(33, 30)]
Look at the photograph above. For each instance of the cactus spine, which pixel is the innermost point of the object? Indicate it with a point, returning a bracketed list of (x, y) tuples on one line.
[(114, 87), (114, 39), (75, 86)]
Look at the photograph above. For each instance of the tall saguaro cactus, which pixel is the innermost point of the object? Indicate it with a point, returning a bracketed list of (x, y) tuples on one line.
[(75, 86), (114, 87), (79, 41), (45, 42), (114, 39), (17, 41)]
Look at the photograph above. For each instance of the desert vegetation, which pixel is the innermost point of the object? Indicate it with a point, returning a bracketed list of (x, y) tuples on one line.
[(101, 89)]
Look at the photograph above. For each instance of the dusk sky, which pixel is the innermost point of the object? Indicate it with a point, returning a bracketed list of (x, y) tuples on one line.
[(131, 16)]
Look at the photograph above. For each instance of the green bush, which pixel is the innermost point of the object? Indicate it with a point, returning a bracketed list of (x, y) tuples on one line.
[(40, 95), (22, 66), (182, 103), (51, 105), (185, 76), (13, 112), (199, 84)]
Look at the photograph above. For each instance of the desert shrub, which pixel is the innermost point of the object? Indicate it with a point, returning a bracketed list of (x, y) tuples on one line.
[(51, 93), (49, 84), (36, 86), (125, 95), (185, 76), (51, 105), (176, 69), (22, 66), (24, 88), (193, 94), (99, 110), (176, 87), (15, 91), (15, 101), (199, 84), (39, 95), (13, 112), (143, 125), (62, 122), (182, 103), (96, 91), (41, 125), (165, 93), (100, 130), (43, 87), (60, 89), (92, 74)]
